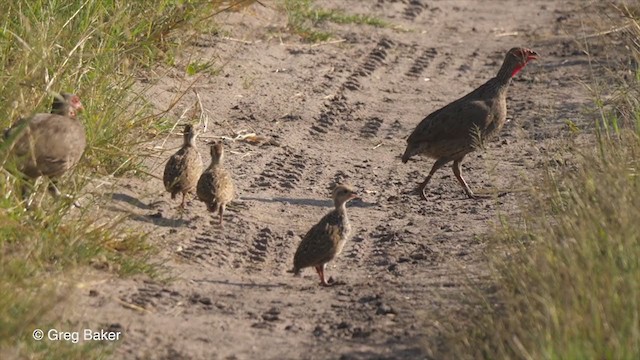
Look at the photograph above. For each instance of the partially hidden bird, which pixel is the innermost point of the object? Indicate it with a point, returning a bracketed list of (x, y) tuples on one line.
[(48, 144)]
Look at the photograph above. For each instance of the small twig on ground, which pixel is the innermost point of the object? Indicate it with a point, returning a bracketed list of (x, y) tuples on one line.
[(607, 32), (131, 306), (238, 40), (513, 33), (204, 118), (329, 42)]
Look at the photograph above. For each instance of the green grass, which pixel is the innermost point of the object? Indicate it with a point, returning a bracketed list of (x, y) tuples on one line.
[(568, 272), (304, 18), (95, 49)]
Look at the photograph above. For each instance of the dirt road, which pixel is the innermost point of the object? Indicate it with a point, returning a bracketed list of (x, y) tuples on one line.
[(337, 112)]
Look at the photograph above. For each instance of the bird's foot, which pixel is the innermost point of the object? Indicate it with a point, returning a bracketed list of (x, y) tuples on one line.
[(332, 282), (423, 194), (473, 196), (419, 190), (326, 283)]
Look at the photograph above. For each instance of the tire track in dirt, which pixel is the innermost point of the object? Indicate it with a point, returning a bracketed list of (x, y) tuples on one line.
[(372, 61), (153, 296), (422, 62), (284, 171), (413, 9), (338, 108), (371, 127), (268, 250)]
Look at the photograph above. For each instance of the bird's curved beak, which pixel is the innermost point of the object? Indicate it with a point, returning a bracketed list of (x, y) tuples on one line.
[(532, 56), (353, 195)]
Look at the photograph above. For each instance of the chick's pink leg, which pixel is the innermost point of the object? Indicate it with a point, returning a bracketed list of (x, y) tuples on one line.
[(320, 270)]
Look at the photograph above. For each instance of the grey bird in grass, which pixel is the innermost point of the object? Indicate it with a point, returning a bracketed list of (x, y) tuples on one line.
[(50, 144)]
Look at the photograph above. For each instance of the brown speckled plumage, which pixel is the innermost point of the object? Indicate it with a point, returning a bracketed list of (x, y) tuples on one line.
[(183, 169), (215, 186), (325, 240), (450, 133)]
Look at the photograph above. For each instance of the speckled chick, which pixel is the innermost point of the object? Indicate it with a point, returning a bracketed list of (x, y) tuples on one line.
[(215, 186), (326, 239), (184, 167)]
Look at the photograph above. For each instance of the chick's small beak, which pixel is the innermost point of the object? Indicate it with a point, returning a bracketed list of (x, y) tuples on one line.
[(532, 55)]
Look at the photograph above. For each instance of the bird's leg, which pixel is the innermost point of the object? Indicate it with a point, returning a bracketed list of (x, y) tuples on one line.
[(182, 203), (25, 191), (457, 173), (26, 195), (320, 270), (220, 213), (53, 188), (437, 165), (55, 192)]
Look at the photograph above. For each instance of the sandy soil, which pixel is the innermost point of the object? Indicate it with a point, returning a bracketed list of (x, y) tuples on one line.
[(337, 112)]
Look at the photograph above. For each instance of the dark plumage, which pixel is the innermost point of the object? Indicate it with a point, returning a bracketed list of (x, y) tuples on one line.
[(183, 169), (49, 144), (450, 133), (215, 186), (325, 240)]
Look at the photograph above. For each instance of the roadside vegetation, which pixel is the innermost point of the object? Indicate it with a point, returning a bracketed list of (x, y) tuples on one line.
[(95, 49), (568, 272), (305, 19)]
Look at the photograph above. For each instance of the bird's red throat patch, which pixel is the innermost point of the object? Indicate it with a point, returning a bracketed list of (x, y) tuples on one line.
[(517, 70)]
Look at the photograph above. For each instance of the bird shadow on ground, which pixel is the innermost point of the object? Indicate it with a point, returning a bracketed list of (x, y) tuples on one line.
[(130, 200), (156, 218), (309, 202), (243, 284)]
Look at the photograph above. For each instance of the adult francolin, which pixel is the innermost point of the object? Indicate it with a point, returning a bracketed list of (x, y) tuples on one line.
[(48, 144), (450, 133)]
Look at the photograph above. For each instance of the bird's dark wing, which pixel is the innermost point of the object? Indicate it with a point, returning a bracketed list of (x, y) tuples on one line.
[(319, 244)]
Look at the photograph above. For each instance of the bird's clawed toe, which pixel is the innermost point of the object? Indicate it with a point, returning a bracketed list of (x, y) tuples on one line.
[(423, 194)]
